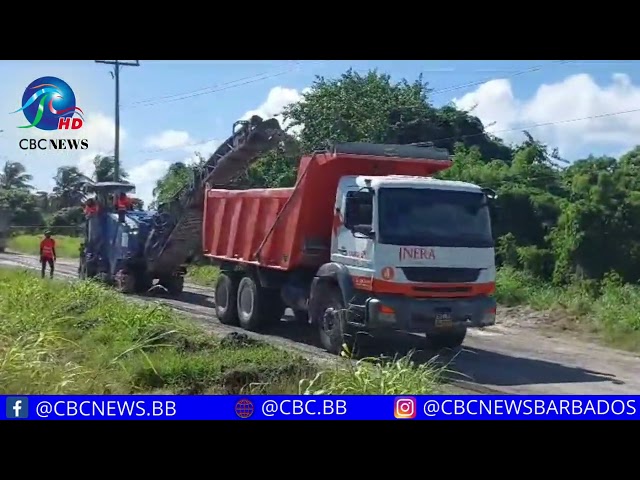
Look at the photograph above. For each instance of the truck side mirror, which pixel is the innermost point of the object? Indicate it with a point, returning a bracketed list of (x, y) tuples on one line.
[(366, 230), (490, 193)]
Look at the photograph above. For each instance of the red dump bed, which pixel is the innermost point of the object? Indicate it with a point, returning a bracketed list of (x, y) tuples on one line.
[(287, 228)]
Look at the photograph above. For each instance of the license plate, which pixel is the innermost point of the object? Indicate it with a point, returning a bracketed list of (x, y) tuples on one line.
[(443, 320)]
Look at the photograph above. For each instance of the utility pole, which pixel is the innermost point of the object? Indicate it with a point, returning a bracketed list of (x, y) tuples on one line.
[(116, 75)]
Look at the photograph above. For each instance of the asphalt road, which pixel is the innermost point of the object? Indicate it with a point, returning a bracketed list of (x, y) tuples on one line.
[(515, 356)]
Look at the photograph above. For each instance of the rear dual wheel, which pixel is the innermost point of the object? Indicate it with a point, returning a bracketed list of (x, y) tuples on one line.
[(226, 295), (258, 306), (246, 303)]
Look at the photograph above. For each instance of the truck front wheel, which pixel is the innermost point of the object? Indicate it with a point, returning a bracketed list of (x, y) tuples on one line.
[(257, 306), (446, 338), (226, 295), (329, 315)]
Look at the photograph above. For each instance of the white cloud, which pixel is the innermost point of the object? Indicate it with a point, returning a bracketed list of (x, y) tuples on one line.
[(277, 99), (100, 131), (205, 149), (169, 139), (575, 97), (145, 176)]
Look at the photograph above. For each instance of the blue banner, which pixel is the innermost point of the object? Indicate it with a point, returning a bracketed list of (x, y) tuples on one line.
[(329, 407)]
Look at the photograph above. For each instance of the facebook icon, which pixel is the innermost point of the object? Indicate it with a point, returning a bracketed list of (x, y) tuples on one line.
[(17, 407)]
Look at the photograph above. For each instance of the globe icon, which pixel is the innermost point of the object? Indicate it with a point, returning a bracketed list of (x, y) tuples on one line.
[(244, 408)]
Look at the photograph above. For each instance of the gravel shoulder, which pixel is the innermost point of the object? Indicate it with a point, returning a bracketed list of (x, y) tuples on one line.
[(518, 355)]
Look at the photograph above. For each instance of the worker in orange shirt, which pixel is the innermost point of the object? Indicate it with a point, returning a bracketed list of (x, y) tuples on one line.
[(47, 253), (123, 203), (91, 207)]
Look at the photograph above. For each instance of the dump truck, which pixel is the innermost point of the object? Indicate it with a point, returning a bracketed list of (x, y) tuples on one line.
[(365, 240)]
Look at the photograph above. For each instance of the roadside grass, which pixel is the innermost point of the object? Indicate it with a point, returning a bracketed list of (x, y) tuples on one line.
[(204, 275), (66, 247), (609, 309), (65, 338), (374, 376)]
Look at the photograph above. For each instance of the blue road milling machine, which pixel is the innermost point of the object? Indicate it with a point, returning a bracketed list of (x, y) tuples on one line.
[(157, 245)]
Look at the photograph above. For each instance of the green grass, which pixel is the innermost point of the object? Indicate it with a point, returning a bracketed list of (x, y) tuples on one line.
[(66, 247), (59, 337), (205, 275), (610, 309), (375, 377)]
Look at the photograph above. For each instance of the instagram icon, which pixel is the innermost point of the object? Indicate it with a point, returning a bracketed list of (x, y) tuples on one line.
[(404, 407)]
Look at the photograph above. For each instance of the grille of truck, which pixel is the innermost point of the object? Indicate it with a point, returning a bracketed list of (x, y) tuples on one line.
[(441, 275)]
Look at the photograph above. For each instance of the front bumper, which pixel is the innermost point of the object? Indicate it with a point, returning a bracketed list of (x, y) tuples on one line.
[(427, 314)]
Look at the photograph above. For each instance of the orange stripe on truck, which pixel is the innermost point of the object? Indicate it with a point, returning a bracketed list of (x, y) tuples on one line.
[(424, 290)]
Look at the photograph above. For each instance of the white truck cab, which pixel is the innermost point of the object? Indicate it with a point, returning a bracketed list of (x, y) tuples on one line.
[(420, 254)]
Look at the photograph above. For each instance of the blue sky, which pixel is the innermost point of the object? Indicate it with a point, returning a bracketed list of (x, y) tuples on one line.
[(169, 109)]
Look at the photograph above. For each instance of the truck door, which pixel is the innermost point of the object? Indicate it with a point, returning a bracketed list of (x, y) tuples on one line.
[(352, 244)]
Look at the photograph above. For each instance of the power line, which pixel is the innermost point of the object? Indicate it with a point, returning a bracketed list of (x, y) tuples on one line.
[(538, 125), (529, 127), (214, 88), (200, 90), (514, 74), (444, 90)]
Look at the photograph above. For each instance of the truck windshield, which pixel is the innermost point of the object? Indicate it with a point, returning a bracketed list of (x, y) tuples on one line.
[(429, 217)]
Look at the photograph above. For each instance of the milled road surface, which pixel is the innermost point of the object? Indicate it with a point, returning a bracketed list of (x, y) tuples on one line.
[(515, 356)]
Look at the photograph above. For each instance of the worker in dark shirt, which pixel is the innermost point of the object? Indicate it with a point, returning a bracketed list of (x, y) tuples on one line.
[(123, 203), (47, 253)]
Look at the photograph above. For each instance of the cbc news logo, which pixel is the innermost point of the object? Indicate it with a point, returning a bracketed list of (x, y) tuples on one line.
[(404, 407)]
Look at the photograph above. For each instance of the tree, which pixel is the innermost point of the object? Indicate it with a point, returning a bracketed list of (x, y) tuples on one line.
[(170, 184), (65, 218), (14, 175), (69, 187), (23, 206), (44, 201), (105, 169), (371, 108)]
